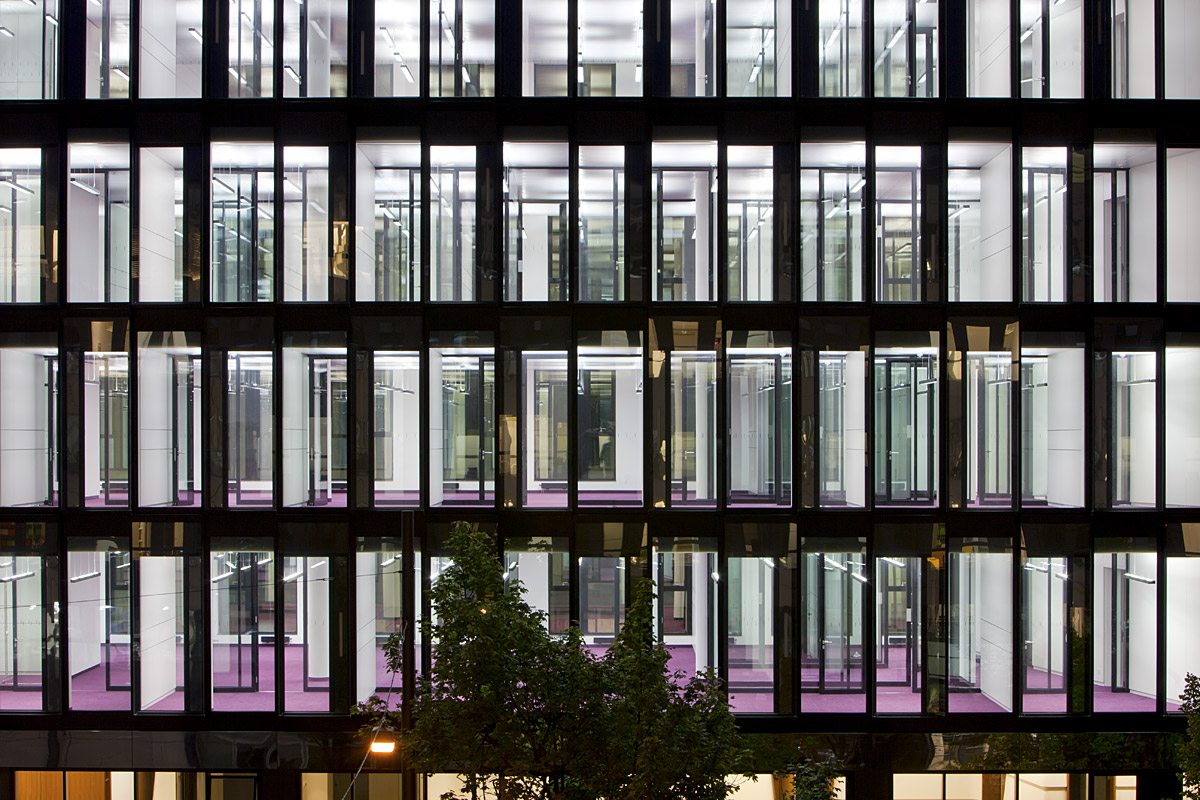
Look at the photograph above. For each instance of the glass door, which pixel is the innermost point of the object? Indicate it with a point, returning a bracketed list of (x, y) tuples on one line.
[(692, 466), (243, 628), (989, 415), (898, 624), (1045, 216), (906, 430)]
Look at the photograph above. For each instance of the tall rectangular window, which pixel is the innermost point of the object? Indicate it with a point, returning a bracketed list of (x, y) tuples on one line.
[(692, 454), (601, 182), (694, 48), (242, 623), (760, 562), (108, 49), (906, 426), (988, 437), (387, 227), (30, 435), (685, 575), (315, 421), (397, 428), (750, 221), (251, 48), (1181, 67), (27, 617), (29, 44), (1051, 45), (832, 226), (841, 48), (243, 222), (306, 196), (1125, 223), (544, 45), (162, 275), (1125, 637), (980, 638), (979, 233), (686, 235), (899, 268), (899, 630), (906, 48), (462, 48), (380, 605), (1044, 226), (169, 418), (841, 428), (106, 445), (21, 226), (397, 48), (611, 37), (543, 566), (1181, 374), (452, 223), (161, 610), (537, 221), (1183, 593), (1183, 238), (1052, 430), (100, 634), (462, 426), (98, 223), (610, 416), (1132, 421), (308, 645), (314, 48), (989, 67), (760, 419), (1133, 62), (833, 644), (250, 428), (546, 447), (171, 47), (758, 46)]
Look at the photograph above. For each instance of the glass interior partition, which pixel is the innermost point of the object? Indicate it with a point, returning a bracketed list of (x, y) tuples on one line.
[(1045, 632), (106, 428), (750, 223), (842, 428), (546, 450), (1183, 593), (1044, 225), (544, 46), (242, 624), (29, 427), (306, 588), (601, 180), (753, 652), (684, 193), (397, 48), (1133, 48), (250, 426), (315, 48), (251, 48), (160, 620), (315, 427), (29, 50), (694, 48), (832, 233), (100, 624), (758, 47), (685, 586), (161, 260), (378, 613), (692, 464), (611, 36), (1125, 223), (980, 637), (537, 221), (98, 215), (1181, 62), (610, 413), (387, 227), (452, 223), (979, 233), (906, 426), (898, 634), (1132, 425), (1181, 377), (543, 566), (1051, 45), (108, 49), (841, 48), (759, 451), (170, 45), (1125, 625), (462, 426), (989, 36), (23, 621), (306, 262), (397, 428), (898, 225), (1052, 433), (462, 48), (243, 222), (988, 378), (834, 592), (1183, 237), (906, 48), (20, 225), (169, 418)]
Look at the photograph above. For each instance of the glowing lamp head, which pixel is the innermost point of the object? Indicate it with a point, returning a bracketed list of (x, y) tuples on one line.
[(383, 747)]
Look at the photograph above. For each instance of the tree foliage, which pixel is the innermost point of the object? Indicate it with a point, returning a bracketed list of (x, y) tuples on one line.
[(1189, 748), (519, 714)]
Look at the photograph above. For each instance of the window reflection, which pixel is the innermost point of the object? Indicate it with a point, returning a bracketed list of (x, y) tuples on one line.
[(314, 424), (841, 428), (314, 48), (760, 416), (906, 48), (379, 612), (750, 220), (462, 48), (251, 48), (685, 582), (841, 48)]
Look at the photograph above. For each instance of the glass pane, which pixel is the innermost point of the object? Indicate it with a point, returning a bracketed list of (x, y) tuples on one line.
[(1052, 411), (1052, 49), (1133, 425), (601, 223), (542, 564), (169, 419), (685, 582), (898, 224), (684, 186), (832, 236), (1125, 222), (760, 424), (243, 222), (161, 277), (906, 49), (315, 431), (750, 221), (388, 222), (314, 48), (602, 591), (23, 629), (753, 672), (21, 225), (980, 221), (462, 48), (1183, 181), (980, 638), (397, 48), (172, 38), (307, 588), (462, 426), (453, 223), (537, 249), (989, 70), (397, 428), (841, 428), (988, 387), (544, 48), (833, 592), (610, 48), (251, 48), (29, 428), (841, 43), (1183, 592), (906, 427), (1125, 610), (1044, 224), (98, 197), (610, 409), (379, 612), (1182, 468), (1133, 49), (1180, 26), (162, 626), (693, 48), (758, 42), (306, 223), (99, 584), (242, 632), (250, 447), (106, 429), (1044, 609), (898, 665), (108, 48), (546, 451), (693, 457), (31, 57)]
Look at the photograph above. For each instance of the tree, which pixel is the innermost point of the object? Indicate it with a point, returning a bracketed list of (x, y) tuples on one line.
[(1189, 748), (519, 714), (813, 778)]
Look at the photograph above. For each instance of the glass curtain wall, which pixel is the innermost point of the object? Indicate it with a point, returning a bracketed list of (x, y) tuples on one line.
[(842, 428), (379, 611), (1181, 377), (462, 426), (250, 427), (832, 231), (1047, 631), (980, 636), (906, 48), (543, 566), (834, 593), (610, 418), (1132, 423), (758, 47), (1051, 48), (899, 268), (243, 222), (163, 275), (100, 624), (610, 555), (684, 194), (983, 398), (989, 69), (98, 217), (692, 459), (171, 40), (906, 426), (169, 418), (899, 630), (162, 582), (107, 60), (251, 48), (397, 48), (544, 47), (315, 423), (601, 181), (387, 228), (452, 223), (305, 588), (611, 37), (546, 449), (306, 262), (759, 448), (1044, 210), (1052, 424), (537, 221), (30, 437), (21, 225), (694, 47), (1133, 48), (242, 624), (686, 609), (1183, 238), (1181, 67), (462, 48), (841, 48), (1125, 624), (979, 233), (397, 428), (1125, 223), (29, 44), (27, 624), (1182, 548), (106, 396), (315, 48), (760, 579), (750, 223)]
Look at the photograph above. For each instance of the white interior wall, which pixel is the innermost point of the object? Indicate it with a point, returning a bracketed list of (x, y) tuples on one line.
[(535, 251), (627, 456), (1064, 428), (746, 425), (757, 610), (405, 428), (364, 624), (91, 437), (157, 74), (783, 48), (27, 231), (86, 631), (854, 416), (1181, 67), (317, 622), (364, 226), (1183, 208), (21, 58), (23, 431), (995, 225), (1143, 625), (1066, 49), (1182, 468), (964, 594), (989, 43), (1143, 438), (1183, 645), (156, 227), (532, 445), (156, 440), (996, 628), (436, 429), (306, 238), (159, 652), (319, 54), (85, 251), (1139, 19), (1143, 232), (295, 426), (1047, 630)]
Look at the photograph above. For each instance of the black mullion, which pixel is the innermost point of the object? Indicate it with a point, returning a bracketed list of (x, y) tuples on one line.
[(1044, 88)]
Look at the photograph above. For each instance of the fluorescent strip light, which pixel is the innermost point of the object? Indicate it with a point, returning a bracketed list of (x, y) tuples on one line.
[(320, 32), (1025, 36), (833, 37), (466, 75), (896, 37), (405, 71), (315, 206), (754, 73), (89, 189), (9, 182), (637, 74), (960, 212), (7, 33), (856, 187), (291, 73), (122, 73), (196, 35), (387, 37)]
